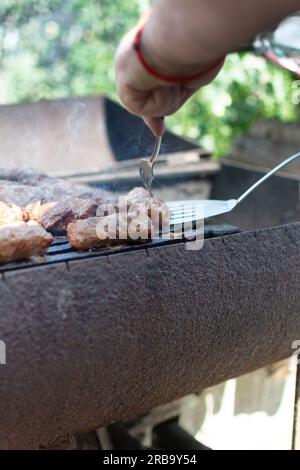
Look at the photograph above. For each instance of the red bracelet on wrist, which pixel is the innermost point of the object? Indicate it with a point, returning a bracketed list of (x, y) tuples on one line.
[(155, 73)]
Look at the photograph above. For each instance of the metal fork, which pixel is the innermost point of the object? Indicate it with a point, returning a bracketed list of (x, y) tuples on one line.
[(147, 165), (185, 212)]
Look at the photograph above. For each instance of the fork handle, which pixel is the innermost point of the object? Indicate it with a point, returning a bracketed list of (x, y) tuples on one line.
[(156, 150), (265, 177)]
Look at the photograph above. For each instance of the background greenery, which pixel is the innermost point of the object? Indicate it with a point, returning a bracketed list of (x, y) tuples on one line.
[(57, 48)]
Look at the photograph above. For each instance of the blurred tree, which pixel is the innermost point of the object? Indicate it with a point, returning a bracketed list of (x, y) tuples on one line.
[(247, 89), (56, 48), (52, 48)]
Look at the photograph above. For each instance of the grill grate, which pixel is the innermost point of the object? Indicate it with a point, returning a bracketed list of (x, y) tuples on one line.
[(61, 251)]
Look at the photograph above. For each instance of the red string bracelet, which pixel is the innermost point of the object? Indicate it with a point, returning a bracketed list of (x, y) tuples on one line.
[(155, 73)]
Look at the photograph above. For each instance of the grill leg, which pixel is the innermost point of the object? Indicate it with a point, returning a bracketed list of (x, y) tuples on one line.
[(170, 436), (121, 439), (296, 430)]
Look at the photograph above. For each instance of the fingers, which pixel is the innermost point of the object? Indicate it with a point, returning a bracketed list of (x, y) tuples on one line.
[(157, 125), (145, 95)]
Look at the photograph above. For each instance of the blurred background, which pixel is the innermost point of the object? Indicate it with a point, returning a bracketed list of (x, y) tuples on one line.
[(53, 49)]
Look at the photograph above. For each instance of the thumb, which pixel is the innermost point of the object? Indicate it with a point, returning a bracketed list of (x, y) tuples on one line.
[(157, 125)]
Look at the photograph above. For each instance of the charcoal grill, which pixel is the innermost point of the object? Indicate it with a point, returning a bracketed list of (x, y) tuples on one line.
[(61, 251), (104, 336)]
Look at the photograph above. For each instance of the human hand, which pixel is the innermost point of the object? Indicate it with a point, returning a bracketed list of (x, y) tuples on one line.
[(148, 96)]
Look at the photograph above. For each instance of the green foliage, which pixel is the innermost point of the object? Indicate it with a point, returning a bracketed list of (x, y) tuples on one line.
[(55, 48), (248, 88)]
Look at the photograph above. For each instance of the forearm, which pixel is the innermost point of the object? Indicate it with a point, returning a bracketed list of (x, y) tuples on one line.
[(193, 32), (185, 41)]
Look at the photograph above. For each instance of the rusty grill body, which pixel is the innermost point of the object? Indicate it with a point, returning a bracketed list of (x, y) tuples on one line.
[(100, 337)]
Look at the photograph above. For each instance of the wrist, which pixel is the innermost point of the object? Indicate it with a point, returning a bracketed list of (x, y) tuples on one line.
[(163, 51), (167, 71), (159, 59)]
